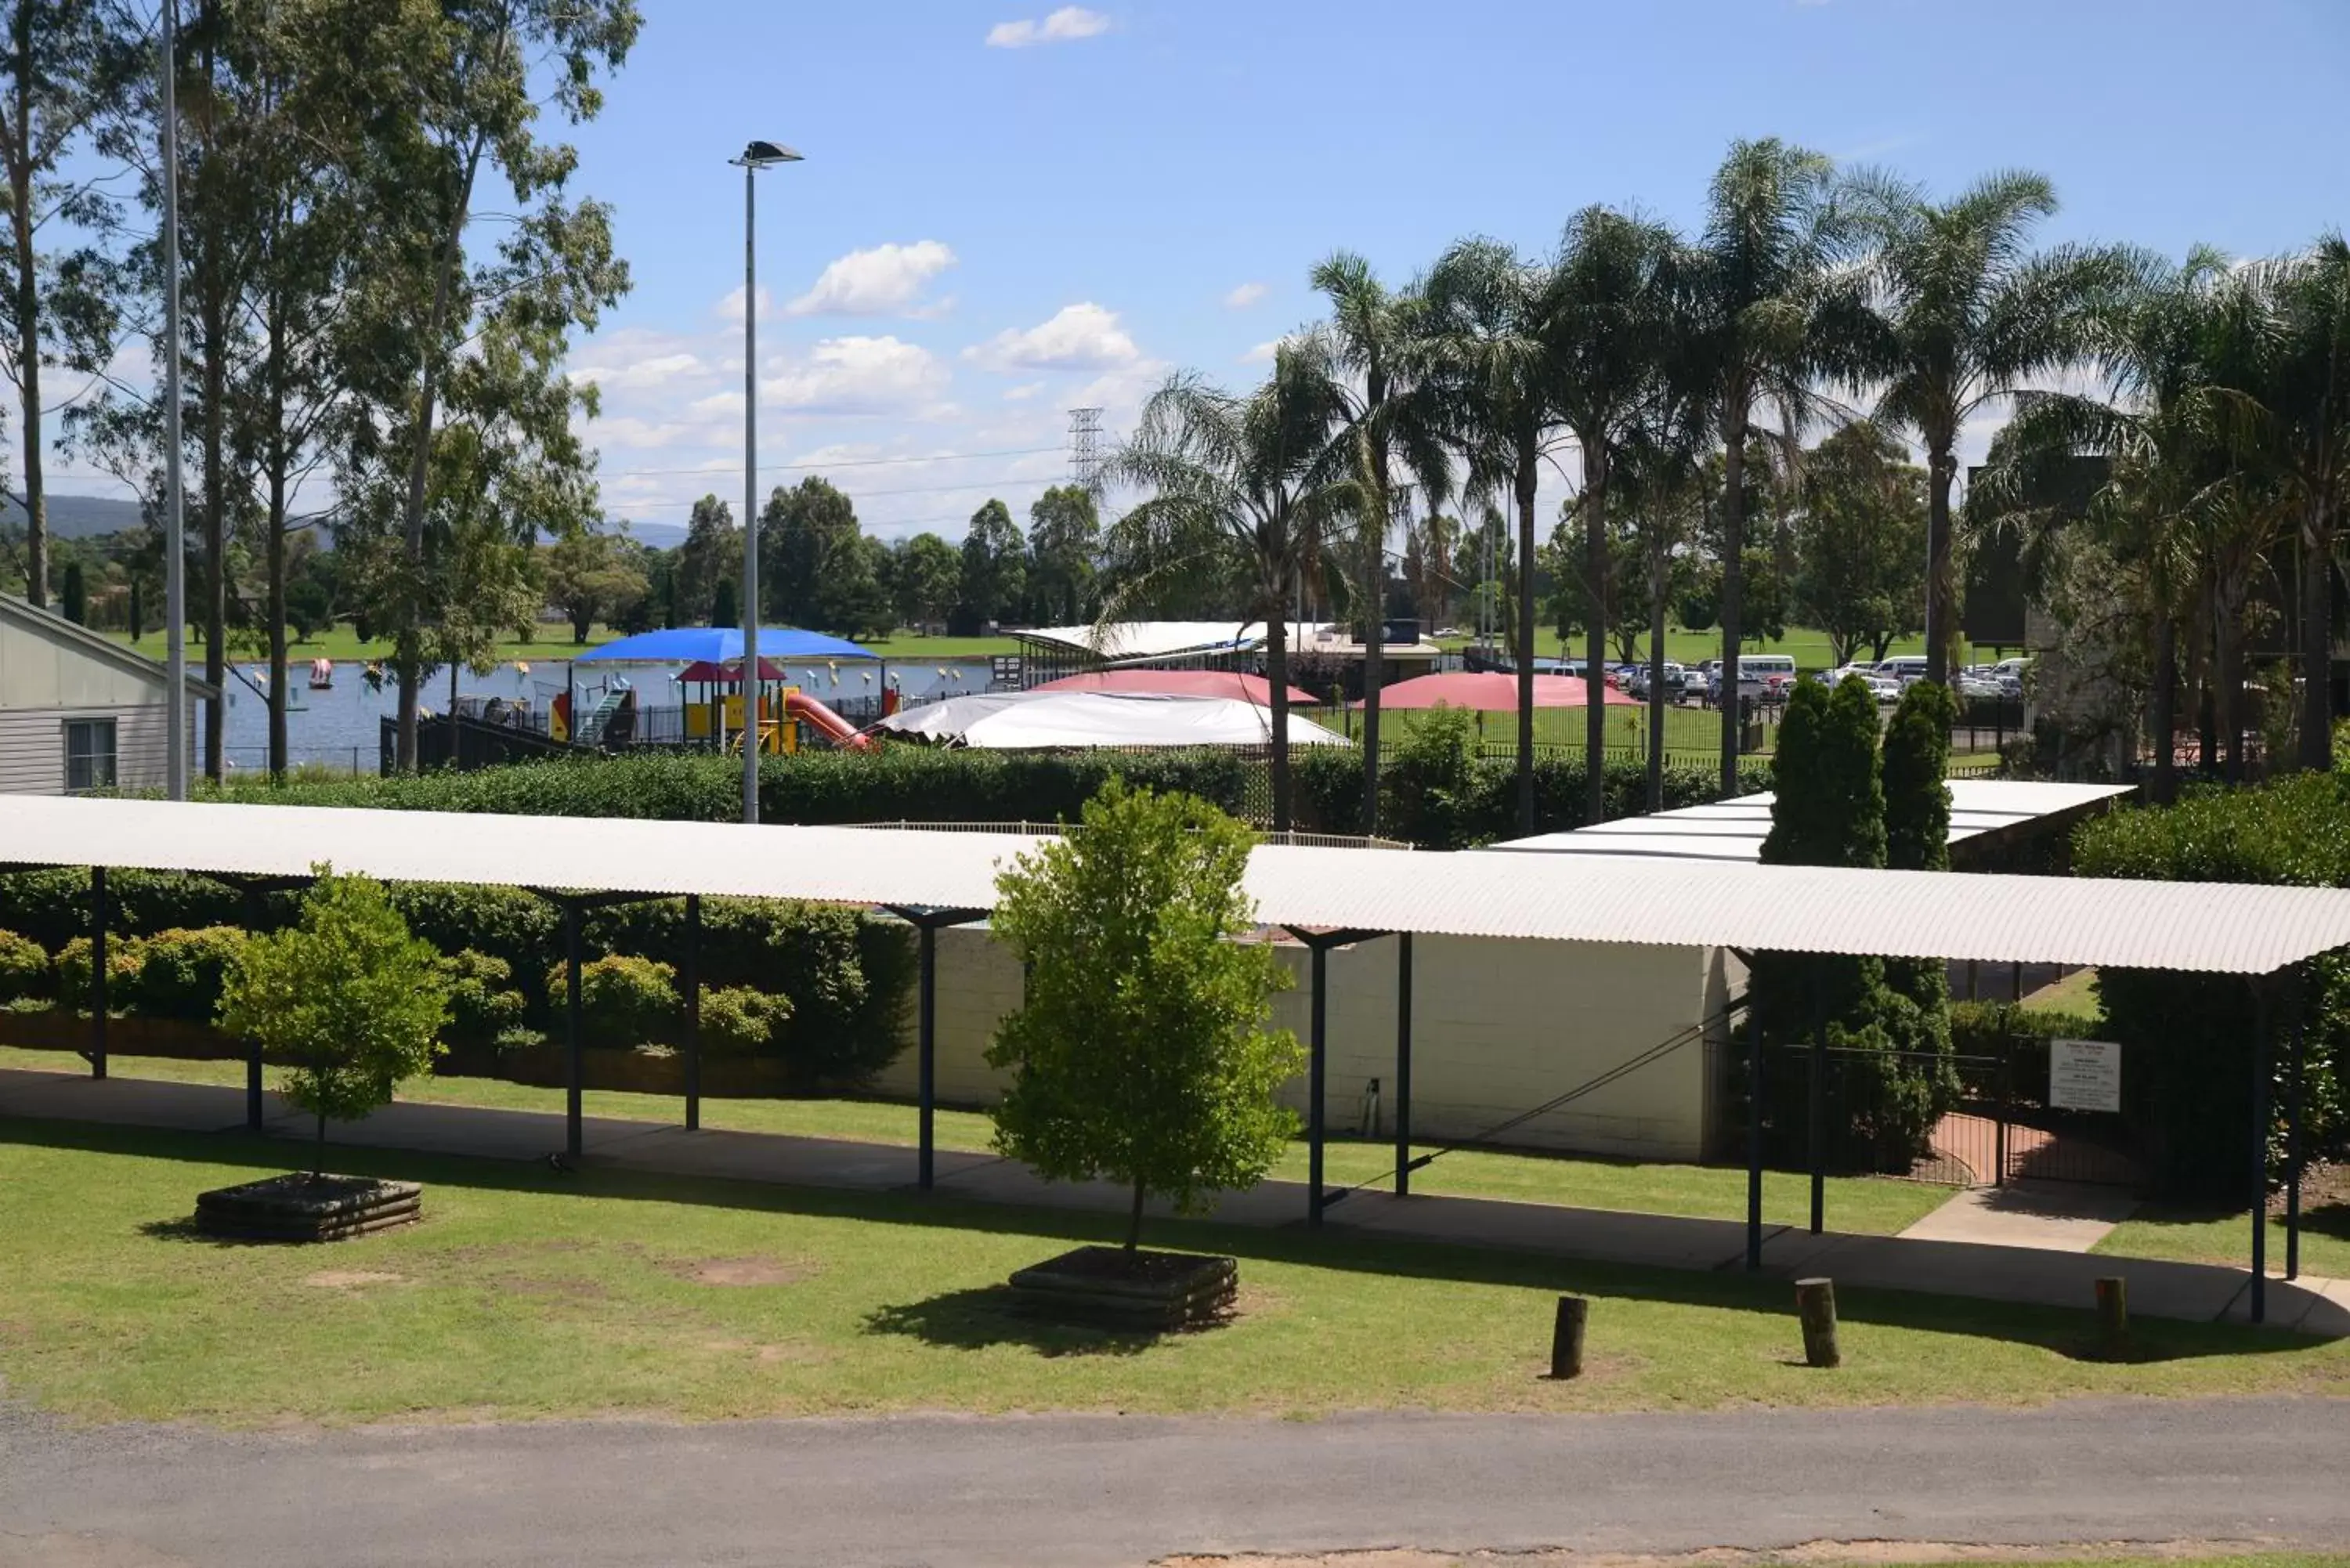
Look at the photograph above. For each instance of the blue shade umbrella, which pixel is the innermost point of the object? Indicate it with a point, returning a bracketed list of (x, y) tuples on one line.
[(721, 645)]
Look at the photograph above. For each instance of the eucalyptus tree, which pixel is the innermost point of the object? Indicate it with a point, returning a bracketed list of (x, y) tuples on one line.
[(1760, 327), (1488, 349), (1391, 418), (1244, 486), (62, 66), (2161, 435), (1614, 306), (442, 299), (1964, 314)]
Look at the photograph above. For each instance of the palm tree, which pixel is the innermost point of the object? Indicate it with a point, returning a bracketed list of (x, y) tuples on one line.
[(1965, 314), (1244, 486), (1365, 346), (1611, 322), (1760, 279), (2163, 435), (1488, 354), (2302, 437)]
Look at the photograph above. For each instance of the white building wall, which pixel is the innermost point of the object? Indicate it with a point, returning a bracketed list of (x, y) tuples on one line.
[(1499, 1027), (33, 746)]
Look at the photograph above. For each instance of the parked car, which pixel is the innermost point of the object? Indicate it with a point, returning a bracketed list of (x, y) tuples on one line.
[(1676, 682), (1980, 688), (1903, 668)]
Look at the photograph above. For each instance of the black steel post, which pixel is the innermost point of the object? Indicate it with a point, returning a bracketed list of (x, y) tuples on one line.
[(2006, 1112), (928, 1047), (693, 1012), (2292, 1141), (1403, 1066), (2261, 1015), (97, 972), (1818, 1119), (1753, 1134), (1317, 1072), (574, 1066)]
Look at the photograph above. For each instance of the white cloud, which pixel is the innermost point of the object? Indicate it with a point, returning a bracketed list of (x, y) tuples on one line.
[(729, 308), (886, 279), (859, 375), (1064, 26), (653, 371), (1243, 296), (1023, 392), (1264, 352), (1082, 337)]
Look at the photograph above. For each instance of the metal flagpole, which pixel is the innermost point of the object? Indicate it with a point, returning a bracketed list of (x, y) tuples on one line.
[(751, 729), (175, 563)]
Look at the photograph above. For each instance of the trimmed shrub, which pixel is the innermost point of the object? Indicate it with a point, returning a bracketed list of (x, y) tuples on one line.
[(483, 1002), (1479, 806), (182, 972), (737, 1020), (520, 930), (24, 967), (2020, 1036), (2187, 1038), (123, 959), (624, 1001)]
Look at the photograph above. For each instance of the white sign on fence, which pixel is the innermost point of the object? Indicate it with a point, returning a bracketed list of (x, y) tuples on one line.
[(2085, 1076)]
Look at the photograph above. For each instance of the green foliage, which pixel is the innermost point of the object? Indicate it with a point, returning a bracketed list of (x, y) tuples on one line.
[(1483, 807), (624, 1001), (23, 967), (2019, 1035), (348, 999), (1430, 781), (1861, 542), (1917, 756), (516, 928), (1140, 1053), (483, 1002), (122, 960), (1829, 804), (2187, 1038), (182, 972), (737, 1020)]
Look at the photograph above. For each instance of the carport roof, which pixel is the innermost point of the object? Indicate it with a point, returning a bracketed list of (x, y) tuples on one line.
[(2220, 928)]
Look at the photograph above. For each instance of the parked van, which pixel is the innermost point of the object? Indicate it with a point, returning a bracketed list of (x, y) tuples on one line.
[(1755, 673), (1905, 668)]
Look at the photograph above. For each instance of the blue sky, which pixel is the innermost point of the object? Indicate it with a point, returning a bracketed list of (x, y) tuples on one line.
[(1143, 184)]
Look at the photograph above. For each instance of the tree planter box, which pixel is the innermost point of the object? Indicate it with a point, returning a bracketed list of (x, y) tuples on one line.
[(126, 1034), (1152, 1291), (305, 1208)]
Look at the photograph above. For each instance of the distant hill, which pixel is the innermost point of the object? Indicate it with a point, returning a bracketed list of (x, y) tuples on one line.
[(77, 516)]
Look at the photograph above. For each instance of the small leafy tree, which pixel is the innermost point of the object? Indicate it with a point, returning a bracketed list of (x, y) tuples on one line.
[(1141, 1054), (346, 995)]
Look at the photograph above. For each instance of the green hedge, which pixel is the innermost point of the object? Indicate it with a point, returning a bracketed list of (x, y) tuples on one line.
[(909, 784), (24, 967), (2186, 1074), (2019, 1036)]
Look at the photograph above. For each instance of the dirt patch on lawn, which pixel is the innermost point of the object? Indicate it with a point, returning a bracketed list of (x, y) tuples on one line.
[(791, 1352), (745, 1271), (352, 1279)]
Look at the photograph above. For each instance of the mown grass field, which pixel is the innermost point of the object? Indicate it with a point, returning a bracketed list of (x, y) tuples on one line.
[(1863, 1205), (527, 1294)]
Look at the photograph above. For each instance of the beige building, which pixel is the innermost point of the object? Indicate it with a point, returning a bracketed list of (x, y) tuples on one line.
[(1499, 1027), (78, 712)]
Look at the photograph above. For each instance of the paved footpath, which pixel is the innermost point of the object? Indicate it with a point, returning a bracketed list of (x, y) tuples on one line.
[(1961, 1266), (1111, 1492)]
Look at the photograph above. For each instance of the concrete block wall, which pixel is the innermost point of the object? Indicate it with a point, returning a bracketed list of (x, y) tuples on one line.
[(1499, 1027)]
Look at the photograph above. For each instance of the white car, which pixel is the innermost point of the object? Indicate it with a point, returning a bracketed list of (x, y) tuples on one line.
[(1882, 688), (1979, 687)]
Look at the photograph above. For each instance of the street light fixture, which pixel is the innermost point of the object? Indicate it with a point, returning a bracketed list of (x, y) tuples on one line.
[(758, 155)]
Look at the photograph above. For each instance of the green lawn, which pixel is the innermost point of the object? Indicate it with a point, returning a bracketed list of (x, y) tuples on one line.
[(2204, 1236), (2076, 993), (528, 1293), (342, 642), (1862, 1205)]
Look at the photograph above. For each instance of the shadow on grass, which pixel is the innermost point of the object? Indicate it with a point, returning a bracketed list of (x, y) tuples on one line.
[(995, 1315), (2055, 1329)]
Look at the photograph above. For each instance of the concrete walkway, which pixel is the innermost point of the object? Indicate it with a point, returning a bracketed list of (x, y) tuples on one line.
[(2195, 1291), (2049, 1216)]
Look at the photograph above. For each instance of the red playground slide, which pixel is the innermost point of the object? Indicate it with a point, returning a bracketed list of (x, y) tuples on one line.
[(823, 719)]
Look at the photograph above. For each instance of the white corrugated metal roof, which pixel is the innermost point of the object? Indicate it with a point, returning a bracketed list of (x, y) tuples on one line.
[(2215, 927), (1129, 639), (1734, 829)]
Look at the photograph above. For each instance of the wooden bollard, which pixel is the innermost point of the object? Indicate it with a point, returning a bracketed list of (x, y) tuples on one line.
[(1815, 1301), (2112, 1318), (1566, 1337)]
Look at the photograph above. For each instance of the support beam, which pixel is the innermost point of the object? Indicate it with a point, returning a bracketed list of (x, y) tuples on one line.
[(1818, 1119), (1403, 1066), (1317, 1075), (1753, 1136), (2293, 1155), (254, 1119), (574, 1063), (928, 922), (97, 972), (693, 1012), (2262, 1009)]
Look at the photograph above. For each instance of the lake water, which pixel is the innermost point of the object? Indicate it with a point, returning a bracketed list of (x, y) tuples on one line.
[(339, 728)]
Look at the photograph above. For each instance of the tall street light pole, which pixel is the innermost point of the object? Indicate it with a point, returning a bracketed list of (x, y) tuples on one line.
[(758, 155), (175, 554)]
